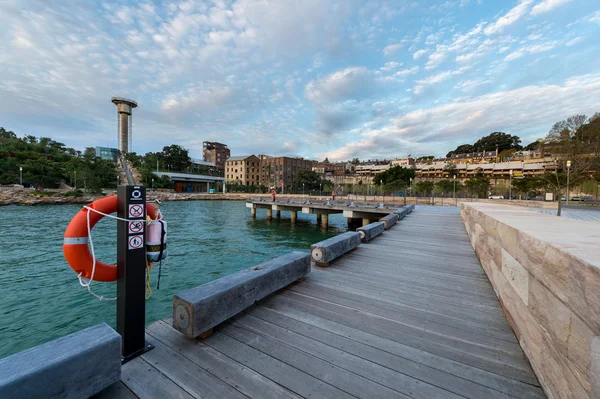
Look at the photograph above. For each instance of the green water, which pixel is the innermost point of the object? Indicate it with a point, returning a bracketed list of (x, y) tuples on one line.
[(41, 298)]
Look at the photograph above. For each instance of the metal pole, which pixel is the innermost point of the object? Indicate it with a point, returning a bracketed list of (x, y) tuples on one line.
[(21, 175), (75, 180), (568, 178), (510, 186), (131, 271)]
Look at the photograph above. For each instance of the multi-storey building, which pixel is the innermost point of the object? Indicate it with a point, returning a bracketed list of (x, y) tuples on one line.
[(243, 170), (215, 153), (280, 172), (404, 162)]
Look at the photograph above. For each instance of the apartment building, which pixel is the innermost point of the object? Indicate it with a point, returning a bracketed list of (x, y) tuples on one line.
[(280, 172), (243, 170)]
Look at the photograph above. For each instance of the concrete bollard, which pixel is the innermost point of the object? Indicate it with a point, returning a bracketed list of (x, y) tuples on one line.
[(78, 365), (389, 220), (370, 231), (401, 212), (199, 309), (324, 252)]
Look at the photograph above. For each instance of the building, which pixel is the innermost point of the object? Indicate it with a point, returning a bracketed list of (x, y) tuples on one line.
[(328, 168), (215, 153), (110, 154), (370, 170), (188, 183), (280, 172), (404, 162), (124, 122), (243, 170)]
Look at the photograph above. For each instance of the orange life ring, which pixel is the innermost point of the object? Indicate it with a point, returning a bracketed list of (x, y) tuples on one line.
[(75, 246)]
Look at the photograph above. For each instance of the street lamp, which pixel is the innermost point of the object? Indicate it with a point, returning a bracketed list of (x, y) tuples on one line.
[(320, 189), (454, 187), (153, 183), (20, 175), (510, 172), (75, 188), (303, 189), (568, 176), (410, 187)]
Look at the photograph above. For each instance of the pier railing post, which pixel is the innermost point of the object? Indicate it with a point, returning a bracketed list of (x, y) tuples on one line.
[(131, 270)]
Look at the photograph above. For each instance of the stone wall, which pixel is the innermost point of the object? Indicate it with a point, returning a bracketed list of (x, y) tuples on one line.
[(546, 273)]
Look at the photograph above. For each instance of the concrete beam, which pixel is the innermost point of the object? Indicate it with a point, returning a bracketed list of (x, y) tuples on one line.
[(199, 309), (401, 212), (370, 231), (325, 251), (364, 214), (389, 220), (319, 211), (78, 365)]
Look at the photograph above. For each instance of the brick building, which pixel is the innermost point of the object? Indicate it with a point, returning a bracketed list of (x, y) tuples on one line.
[(215, 153), (243, 170), (280, 172)]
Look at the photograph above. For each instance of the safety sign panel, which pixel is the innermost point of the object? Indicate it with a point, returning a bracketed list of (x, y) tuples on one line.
[(136, 227), (136, 211), (136, 195), (136, 242)]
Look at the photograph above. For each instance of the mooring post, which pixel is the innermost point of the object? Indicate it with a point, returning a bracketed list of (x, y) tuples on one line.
[(131, 271)]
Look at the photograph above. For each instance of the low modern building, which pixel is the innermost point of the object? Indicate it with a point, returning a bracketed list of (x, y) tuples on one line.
[(188, 183), (110, 154), (215, 153), (244, 170)]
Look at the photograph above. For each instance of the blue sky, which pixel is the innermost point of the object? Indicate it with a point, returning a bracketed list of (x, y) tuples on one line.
[(311, 78)]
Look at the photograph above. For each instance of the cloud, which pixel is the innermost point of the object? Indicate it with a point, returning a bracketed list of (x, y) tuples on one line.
[(509, 18), (536, 48), (392, 49), (390, 66), (521, 111), (409, 71), (419, 53), (574, 41), (349, 83), (439, 55), (546, 6)]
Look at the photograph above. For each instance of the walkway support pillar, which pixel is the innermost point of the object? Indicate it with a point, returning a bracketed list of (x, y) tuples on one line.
[(318, 218), (324, 220), (253, 212), (366, 221), (269, 214), (278, 214), (294, 216)]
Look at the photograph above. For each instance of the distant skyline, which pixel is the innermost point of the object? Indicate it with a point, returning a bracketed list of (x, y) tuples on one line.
[(311, 78)]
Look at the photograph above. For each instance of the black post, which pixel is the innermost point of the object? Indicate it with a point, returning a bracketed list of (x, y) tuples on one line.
[(131, 271)]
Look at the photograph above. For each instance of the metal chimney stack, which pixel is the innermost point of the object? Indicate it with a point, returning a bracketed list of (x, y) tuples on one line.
[(124, 132)]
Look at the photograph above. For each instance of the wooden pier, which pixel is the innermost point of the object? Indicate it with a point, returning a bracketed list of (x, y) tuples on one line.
[(410, 314)]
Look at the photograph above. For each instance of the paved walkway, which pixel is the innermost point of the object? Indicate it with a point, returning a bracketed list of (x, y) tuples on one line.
[(592, 215), (410, 315)]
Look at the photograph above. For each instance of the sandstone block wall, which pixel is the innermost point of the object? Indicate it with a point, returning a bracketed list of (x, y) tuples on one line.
[(546, 273)]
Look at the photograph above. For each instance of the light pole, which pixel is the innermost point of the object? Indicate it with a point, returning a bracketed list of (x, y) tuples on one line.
[(454, 187), (410, 187), (303, 189), (320, 189), (510, 172), (568, 177), (75, 181), (21, 175), (153, 183)]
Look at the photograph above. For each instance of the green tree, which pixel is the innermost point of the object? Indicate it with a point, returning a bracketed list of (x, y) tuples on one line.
[(450, 168), (307, 179), (176, 157), (444, 187), (424, 187), (500, 140), (461, 149), (478, 185), (393, 174)]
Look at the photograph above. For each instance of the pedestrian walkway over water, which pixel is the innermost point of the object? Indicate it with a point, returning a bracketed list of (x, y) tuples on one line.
[(409, 315)]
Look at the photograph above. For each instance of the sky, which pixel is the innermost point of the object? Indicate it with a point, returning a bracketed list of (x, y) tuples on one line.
[(309, 78)]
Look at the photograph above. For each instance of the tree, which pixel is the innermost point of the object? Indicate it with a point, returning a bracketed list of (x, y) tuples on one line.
[(450, 168), (533, 146), (478, 185), (461, 149), (500, 140), (176, 157), (444, 186), (355, 161), (424, 187), (393, 174), (307, 179), (566, 127)]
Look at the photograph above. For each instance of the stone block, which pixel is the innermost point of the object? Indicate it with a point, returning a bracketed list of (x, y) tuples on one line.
[(401, 212), (325, 251), (389, 220), (595, 368), (78, 365), (199, 309), (583, 291), (370, 231), (516, 275)]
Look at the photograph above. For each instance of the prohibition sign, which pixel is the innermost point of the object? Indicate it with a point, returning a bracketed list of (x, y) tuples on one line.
[(136, 227), (136, 211), (136, 242)]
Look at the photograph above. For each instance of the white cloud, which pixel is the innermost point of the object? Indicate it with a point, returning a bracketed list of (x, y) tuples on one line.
[(409, 71), (574, 41), (533, 49), (521, 111), (439, 55), (509, 18), (419, 53), (392, 49), (390, 66), (546, 6), (352, 82)]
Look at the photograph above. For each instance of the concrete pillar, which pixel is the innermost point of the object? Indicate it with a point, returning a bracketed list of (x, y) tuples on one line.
[(253, 212), (325, 221), (207, 187), (366, 221), (318, 218), (278, 214), (269, 214), (294, 216)]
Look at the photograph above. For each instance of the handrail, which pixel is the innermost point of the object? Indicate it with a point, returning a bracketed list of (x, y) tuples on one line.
[(130, 179)]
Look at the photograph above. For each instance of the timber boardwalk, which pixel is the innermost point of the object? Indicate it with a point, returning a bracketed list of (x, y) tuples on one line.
[(410, 314)]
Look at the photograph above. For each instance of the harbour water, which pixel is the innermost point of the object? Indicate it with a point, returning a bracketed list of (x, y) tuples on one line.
[(41, 298)]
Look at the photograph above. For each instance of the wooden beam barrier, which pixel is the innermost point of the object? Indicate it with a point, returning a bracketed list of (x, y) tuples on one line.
[(77, 365), (370, 231), (389, 220), (324, 252), (199, 309)]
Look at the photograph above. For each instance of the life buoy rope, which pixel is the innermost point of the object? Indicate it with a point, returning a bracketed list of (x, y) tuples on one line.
[(82, 258)]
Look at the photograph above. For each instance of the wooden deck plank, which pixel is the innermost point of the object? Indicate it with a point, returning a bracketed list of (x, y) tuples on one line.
[(409, 314), (226, 369), (118, 390)]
